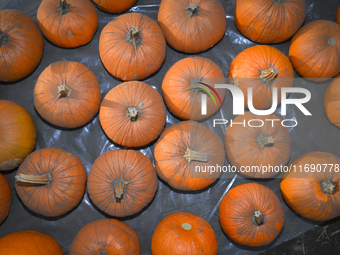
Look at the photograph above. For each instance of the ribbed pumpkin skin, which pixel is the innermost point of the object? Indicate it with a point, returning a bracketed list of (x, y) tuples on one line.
[(21, 52), (106, 236), (303, 192), (312, 54), (114, 6), (74, 28), (196, 33), (170, 238), (125, 60), (181, 98), (67, 111), (126, 131), (331, 101), (134, 168), (247, 67), (17, 134), (242, 150), (238, 206), (269, 21), (173, 167), (60, 195), (5, 198), (29, 242)]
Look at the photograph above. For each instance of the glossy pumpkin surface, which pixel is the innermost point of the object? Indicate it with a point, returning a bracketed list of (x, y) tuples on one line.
[(331, 101), (5, 198), (114, 6)]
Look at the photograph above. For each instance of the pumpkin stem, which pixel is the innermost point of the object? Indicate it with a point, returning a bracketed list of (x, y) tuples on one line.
[(257, 218), (331, 41), (263, 141), (133, 36), (35, 179), (328, 186), (192, 9), (3, 38), (119, 185), (186, 226), (64, 91), (191, 155), (279, 1), (133, 113), (63, 7), (267, 75), (104, 253)]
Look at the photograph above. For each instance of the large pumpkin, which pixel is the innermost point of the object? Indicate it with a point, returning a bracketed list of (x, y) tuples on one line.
[(182, 87), (132, 47), (261, 68), (184, 154), (21, 45), (132, 114), (51, 181), (192, 25), (5, 198), (258, 146), (122, 182), (251, 214), (114, 6), (269, 21), (67, 94), (314, 50), (311, 188), (183, 233), (67, 23), (17, 134), (331, 101), (104, 237)]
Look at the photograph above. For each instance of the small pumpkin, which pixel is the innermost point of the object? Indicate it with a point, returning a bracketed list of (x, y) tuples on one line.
[(261, 68), (114, 6), (184, 152), (311, 187), (256, 142), (68, 24), (251, 214), (269, 21), (122, 182), (183, 233), (314, 50), (5, 198), (132, 47), (132, 114), (21, 45), (182, 87), (51, 181), (17, 134), (29, 242), (67, 94), (331, 101), (192, 25)]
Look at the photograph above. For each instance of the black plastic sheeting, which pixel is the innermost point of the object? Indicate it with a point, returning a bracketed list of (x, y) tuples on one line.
[(89, 141)]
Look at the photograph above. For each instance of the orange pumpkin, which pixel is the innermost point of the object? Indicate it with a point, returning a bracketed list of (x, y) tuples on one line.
[(106, 236), (122, 182), (314, 50), (183, 154), (265, 144), (269, 21), (51, 181), (192, 25), (338, 15), (182, 91), (251, 214), (132, 47), (311, 188), (331, 101), (67, 94), (132, 114), (68, 24), (261, 68), (183, 233), (17, 134), (114, 6), (5, 198), (21, 45)]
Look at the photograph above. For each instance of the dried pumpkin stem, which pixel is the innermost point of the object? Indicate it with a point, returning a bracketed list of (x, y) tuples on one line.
[(134, 36), (104, 253), (191, 155), (192, 9), (279, 1), (257, 218), (64, 91), (267, 75), (63, 7), (331, 41), (35, 179), (328, 186), (119, 186), (3, 38), (133, 113), (263, 141), (186, 226)]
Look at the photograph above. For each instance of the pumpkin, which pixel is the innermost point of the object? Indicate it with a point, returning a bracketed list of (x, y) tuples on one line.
[(251, 214), (269, 21), (331, 101), (29, 242), (5, 198), (132, 47), (311, 187), (68, 24), (192, 25), (183, 233), (122, 182), (132, 114), (184, 153), (114, 6), (314, 50), (106, 236), (261, 68), (51, 181), (257, 147), (21, 45), (338, 15), (67, 94), (17, 134), (182, 87)]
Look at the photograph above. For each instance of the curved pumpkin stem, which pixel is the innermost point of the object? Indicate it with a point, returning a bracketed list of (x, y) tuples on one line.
[(133, 113), (191, 155), (192, 9), (263, 141), (257, 218), (186, 226), (119, 185), (133, 36), (268, 74), (3, 38), (331, 41), (35, 179), (328, 186), (63, 7), (64, 91)]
